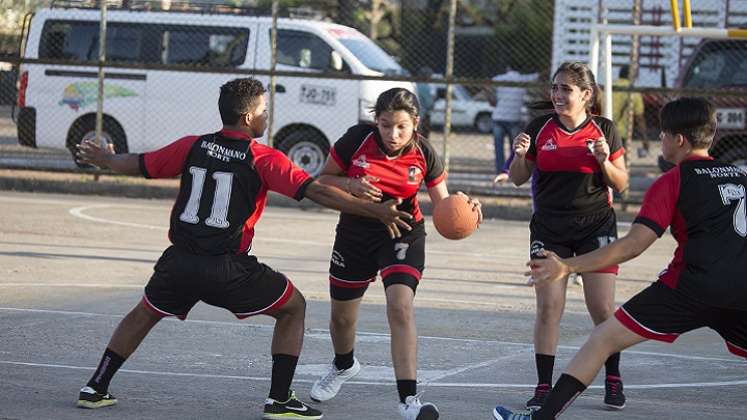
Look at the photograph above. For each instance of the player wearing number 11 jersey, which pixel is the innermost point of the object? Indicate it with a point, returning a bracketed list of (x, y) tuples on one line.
[(225, 177)]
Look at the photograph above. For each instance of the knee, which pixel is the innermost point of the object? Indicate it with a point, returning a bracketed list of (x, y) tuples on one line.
[(399, 312), (549, 312), (342, 321), (600, 311), (295, 307), (142, 314)]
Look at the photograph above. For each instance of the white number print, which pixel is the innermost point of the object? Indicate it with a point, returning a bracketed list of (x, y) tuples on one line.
[(729, 193), (401, 249), (219, 211)]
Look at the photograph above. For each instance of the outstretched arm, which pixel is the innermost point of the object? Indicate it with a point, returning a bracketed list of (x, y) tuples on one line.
[(628, 247), (91, 152)]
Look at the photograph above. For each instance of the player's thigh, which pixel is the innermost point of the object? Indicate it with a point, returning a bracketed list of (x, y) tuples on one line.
[(732, 326), (351, 266), (599, 292), (593, 232), (402, 260), (172, 289)]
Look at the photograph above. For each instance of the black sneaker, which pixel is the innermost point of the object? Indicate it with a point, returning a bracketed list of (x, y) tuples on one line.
[(540, 395), (290, 409), (90, 398), (613, 393)]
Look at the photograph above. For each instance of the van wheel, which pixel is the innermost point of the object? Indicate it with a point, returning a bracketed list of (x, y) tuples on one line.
[(85, 128), (484, 123), (307, 150)]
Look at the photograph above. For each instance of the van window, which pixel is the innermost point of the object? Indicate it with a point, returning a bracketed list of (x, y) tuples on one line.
[(200, 45), (302, 49), (372, 56), (718, 65), (80, 41)]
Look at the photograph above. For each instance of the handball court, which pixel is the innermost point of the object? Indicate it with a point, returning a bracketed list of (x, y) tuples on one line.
[(72, 266)]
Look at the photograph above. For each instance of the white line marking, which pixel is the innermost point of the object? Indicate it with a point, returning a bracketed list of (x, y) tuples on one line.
[(317, 331), (369, 383)]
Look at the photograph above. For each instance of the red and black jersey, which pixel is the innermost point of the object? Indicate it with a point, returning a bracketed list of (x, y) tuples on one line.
[(360, 152), (225, 177), (569, 180), (703, 201)]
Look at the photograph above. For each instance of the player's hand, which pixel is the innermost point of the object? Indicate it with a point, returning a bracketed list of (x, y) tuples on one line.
[(521, 144), (548, 267), (601, 150), (89, 151), (393, 219), (500, 178), (364, 188), (476, 206)]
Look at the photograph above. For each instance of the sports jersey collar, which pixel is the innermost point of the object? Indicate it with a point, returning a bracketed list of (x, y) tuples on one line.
[(564, 128), (235, 134), (688, 159)]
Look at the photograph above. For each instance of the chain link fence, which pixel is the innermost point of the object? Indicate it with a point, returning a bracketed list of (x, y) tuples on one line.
[(475, 66)]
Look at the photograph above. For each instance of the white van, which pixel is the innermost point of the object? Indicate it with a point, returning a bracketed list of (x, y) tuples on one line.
[(146, 107), (466, 111)]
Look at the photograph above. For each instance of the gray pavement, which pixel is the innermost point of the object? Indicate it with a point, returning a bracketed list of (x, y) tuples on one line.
[(72, 265)]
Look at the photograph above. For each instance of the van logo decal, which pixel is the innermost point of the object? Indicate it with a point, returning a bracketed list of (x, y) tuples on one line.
[(80, 95)]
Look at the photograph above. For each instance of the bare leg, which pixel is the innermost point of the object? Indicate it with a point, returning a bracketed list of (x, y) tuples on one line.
[(401, 316), (132, 330), (342, 324), (289, 327), (550, 305)]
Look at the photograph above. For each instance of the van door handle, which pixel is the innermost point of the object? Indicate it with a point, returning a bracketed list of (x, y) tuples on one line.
[(279, 89)]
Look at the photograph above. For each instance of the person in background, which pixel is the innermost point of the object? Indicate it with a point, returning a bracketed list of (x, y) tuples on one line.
[(425, 98), (622, 103)]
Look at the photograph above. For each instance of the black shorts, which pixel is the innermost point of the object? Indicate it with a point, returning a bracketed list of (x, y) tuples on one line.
[(237, 282), (573, 235), (359, 255), (663, 314)]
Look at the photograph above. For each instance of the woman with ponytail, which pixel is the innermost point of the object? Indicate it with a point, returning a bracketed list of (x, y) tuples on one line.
[(577, 159)]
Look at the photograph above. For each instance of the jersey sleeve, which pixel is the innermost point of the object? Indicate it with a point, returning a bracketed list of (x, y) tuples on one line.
[(533, 129), (343, 150), (168, 161), (279, 174), (660, 202), (434, 167), (613, 138)]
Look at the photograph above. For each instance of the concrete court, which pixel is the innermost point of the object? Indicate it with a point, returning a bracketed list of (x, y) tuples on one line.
[(72, 266)]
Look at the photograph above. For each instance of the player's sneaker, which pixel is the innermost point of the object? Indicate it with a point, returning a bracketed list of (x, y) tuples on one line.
[(540, 395), (293, 408), (503, 413), (613, 393), (414, 409), (328, 386), (89, 398)]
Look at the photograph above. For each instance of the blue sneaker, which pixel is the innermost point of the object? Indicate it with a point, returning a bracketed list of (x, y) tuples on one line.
[(503, 413)]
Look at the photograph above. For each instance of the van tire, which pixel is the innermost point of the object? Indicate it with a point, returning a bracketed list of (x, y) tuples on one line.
[(484, 123), (85, 127), (307, 149)]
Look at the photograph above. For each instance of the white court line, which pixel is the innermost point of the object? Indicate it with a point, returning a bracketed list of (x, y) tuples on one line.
[(372, 334), (368, 383)]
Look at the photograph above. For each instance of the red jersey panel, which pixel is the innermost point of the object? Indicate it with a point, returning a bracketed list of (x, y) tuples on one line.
[(569, 179), (359, 152), (703, 201), (225, 177)]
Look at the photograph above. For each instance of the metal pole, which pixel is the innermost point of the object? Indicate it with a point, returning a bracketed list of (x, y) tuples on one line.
[(102, 62), (675, 15), (686, 10), (607, 106), (449, 86), (273, 63), (594, 52)]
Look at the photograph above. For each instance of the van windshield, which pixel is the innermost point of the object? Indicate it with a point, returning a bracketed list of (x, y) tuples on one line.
[(719, 65), (372, 56)]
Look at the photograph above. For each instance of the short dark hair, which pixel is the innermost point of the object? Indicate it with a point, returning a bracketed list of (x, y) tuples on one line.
[(237, 97), (694, 118), (624, 71), (397, 99)]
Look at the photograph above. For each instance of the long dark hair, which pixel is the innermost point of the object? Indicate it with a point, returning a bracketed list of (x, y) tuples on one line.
[(580, 76)]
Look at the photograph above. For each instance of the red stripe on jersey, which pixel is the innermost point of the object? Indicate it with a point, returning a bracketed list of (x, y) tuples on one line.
[(278, 173), (617, 154), (630, 323), (436, 181), (734, 349), (168, 161), (401, 268), (247, 232)]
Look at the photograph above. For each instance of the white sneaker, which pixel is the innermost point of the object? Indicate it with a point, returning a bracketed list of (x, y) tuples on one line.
[(326, 387), (413, 409)]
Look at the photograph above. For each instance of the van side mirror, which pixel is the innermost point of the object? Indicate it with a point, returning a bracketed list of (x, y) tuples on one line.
[(335, 61), (441, 93)]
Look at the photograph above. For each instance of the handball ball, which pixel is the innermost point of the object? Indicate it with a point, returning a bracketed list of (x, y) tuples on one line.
[(454, 217)]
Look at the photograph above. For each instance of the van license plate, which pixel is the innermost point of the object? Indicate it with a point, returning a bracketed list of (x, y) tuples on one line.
[(318, 95), (731, 118)]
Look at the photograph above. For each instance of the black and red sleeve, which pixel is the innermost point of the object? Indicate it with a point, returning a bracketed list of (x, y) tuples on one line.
[(613, 138), (434, 167), (168, 161), (660, 202), (343, 150), (279, 174), (533, 130)]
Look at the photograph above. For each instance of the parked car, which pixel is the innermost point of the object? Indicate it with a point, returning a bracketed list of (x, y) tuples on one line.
[(466, 110), (147, 106), (721, 64)]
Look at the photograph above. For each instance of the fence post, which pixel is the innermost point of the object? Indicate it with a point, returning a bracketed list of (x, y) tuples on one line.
[(273, 63), (449, 86), (102, 62)]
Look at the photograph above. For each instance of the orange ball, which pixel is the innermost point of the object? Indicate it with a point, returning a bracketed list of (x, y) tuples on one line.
[(454, 217)]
